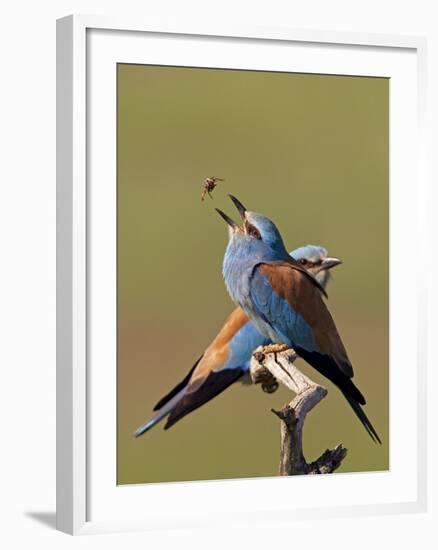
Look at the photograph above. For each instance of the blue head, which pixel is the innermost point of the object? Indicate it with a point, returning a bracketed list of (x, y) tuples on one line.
[(257, 239), (316, 260)]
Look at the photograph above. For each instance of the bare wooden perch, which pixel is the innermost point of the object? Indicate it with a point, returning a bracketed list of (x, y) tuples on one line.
[(273, 363)]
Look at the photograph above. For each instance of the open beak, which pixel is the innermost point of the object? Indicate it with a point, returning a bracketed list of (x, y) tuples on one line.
[(328, 263), (242, 210), (233, 225)]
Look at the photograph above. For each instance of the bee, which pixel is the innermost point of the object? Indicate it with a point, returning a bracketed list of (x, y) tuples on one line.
[(209, 186)]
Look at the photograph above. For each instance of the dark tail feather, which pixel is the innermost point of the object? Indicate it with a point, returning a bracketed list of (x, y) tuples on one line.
[(363, 418), (159, 415), (177, 388), (165, 406), (329, 368), (214, 384)]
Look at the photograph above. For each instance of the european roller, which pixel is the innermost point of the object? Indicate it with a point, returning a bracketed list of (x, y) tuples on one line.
[(227, 358), (285, 302)]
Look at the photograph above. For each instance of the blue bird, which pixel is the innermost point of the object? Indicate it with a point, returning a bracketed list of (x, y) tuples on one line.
[(285, 302), (227, 358)]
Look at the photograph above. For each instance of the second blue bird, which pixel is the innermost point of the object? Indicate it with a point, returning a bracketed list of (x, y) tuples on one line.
[(227, 358)]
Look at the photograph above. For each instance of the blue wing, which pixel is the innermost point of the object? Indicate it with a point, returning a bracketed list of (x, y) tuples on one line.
[(286, 324), (295, 314)]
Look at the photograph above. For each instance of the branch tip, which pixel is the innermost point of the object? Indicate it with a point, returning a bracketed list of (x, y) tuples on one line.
[(292, 416)]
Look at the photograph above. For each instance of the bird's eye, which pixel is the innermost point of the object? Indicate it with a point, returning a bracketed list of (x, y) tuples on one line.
[(303, 261), (253, 232)]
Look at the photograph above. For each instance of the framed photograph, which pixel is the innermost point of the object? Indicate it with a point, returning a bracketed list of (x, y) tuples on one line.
[(222, 192)]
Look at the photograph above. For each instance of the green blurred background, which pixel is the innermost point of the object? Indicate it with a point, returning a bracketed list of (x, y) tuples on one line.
[(309, 151)]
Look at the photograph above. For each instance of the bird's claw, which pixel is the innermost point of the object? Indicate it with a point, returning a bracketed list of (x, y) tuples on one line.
[(267, 380), (274, 348), (270, 387)]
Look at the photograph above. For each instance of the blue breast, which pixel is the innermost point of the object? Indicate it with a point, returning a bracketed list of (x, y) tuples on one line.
[(243, 345)]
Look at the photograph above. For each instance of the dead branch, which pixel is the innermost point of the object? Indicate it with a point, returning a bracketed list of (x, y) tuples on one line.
[(280, 366)]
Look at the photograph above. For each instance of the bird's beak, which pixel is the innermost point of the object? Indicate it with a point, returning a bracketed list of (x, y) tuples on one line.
[(242, 210), (328, 263), (233, 225)]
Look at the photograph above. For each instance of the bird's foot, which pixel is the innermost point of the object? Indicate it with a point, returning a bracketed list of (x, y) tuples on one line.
[(274, 348), (271, 386), (267, 380), (262, 375)]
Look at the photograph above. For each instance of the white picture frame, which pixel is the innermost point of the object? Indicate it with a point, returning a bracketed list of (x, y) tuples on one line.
[(79, 68)]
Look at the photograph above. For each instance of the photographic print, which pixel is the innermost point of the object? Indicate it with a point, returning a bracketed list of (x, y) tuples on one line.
[(252, 218)]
